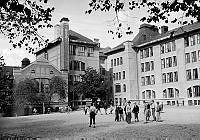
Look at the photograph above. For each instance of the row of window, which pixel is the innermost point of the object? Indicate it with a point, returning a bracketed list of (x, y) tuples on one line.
[(168, 62), (170, 93), (43, 71), (170, 77), (117, 76), (81, 50), (147, 66), (76, 65), (148, 80), (147, 52), (116, 62), (193, 56), (192, 74), (118, 88), (167, 47), (192, 40), (148, 94), (75, 78), (193, 91)]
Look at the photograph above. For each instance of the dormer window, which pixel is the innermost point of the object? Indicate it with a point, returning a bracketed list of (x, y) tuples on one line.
[(51, 72)]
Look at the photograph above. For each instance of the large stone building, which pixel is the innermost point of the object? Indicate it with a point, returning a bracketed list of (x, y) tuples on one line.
[(161, 66)]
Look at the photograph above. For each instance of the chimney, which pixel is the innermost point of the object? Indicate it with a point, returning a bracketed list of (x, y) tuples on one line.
[(57, 31), (164, 29)]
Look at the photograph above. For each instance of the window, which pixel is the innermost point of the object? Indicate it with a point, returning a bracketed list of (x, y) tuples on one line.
[(153, 94), (194, 56), (163, 63), (167, 62), (162, 49), (170, 92), (195, 73), (81, 49), (152, 65), (117, 88), (173, 46), (176, 92), (164, 77), (151, 51), (141, 54), (124, 75), (111, 63), (168, 47), (192, 40), (76, 65), (146, 52), (175, 76), (142, 67), (148, 80), (198, 38), (187, 58), (113, 76), (143, 95), (32, 71), (116, 76), (189, 92), (196, 90), (152, 79), (121, 61), (119, 75), (147, 66), (148, 93), (199, 55), (46, 55), (174, 61), (170, 77), (124, 87), (170, 61), (188, 75), (71, 65), (117, 61), (114, 62), (143, 81), (82, 66), (186, 41), (165, 93)]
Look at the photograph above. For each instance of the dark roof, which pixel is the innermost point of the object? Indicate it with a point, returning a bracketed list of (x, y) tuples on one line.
[(172, 33), (118, 48), (76, 36)]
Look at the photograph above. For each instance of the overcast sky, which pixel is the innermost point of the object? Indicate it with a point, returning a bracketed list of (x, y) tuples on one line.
[(92, 26)]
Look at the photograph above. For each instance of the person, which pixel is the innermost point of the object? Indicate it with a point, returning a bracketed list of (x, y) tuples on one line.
[(153, 110), (121, 115), (34, 111), (92, 111), (148, 112), (117, 113), (158, 110), (128, 112), (105, 107), (136, 111), (85, 109), (125, 111)]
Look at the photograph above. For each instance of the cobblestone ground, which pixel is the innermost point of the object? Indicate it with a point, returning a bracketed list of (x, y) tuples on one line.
[(177, 123)]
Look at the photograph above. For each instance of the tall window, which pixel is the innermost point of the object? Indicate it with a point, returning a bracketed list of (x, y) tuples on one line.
[(142, 81), (114, 62), (173, 46), (163, 63), (175, 76), (119, 75), (151, 51), (111, 63), (165, 93), (188, 74), (117, 88), (186, 41), (147, 66), (121, 61), (124, 76), (164, 77), (142, 67), (148, 93), (198, 38), (143, 95), (162, 48), (195, 73), (146, 52), (189, 92), (187, 58), (171, 77), (170, 61), (152, 65), (152, 79), (170, 93), (82, 66), (141, 54), (113, 76), (194, 56), (168, 47), (148, 80), (153, 94), (174, 61), (199, 55), (117, 61), (116, 76), (192, 40), (196, 90), (167, 62), (124, 87)]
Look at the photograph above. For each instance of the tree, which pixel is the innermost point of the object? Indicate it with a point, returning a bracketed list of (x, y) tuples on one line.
[(157, 10), (58, 86), (93, 85), (21, 19)]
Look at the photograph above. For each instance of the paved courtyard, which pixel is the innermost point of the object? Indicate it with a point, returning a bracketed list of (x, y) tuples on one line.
[(177, 123)]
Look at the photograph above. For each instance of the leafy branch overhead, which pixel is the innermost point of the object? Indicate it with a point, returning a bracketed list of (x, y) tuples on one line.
[(21, 19), (157, 11)]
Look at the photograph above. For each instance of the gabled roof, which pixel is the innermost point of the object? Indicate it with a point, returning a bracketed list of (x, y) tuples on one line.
[(172, 33), (76, 36)]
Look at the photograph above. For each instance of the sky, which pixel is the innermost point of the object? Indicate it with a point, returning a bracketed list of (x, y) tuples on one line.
[(94, 25)]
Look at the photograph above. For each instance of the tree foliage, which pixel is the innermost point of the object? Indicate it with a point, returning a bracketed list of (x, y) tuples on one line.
[(157, 10), (58, 86), (93, 85), (21, 19)]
